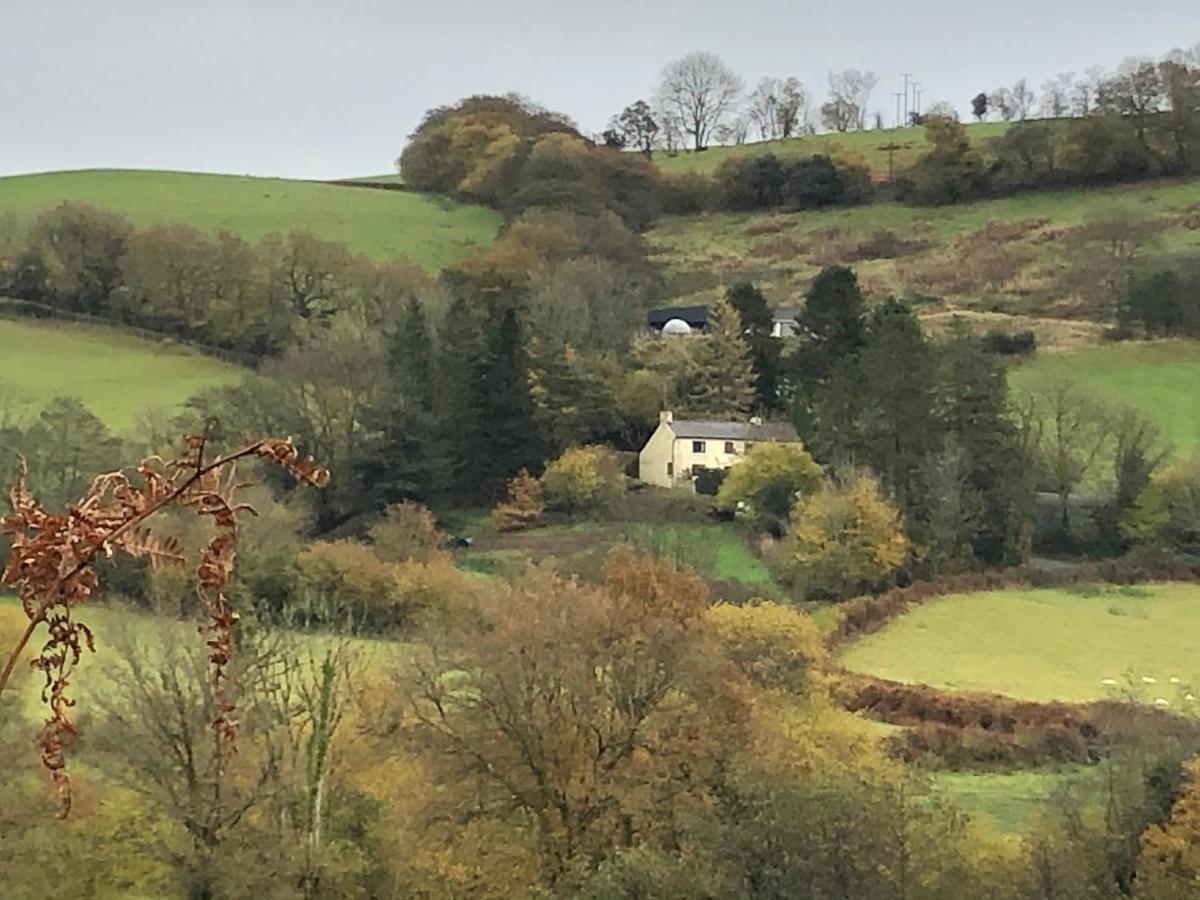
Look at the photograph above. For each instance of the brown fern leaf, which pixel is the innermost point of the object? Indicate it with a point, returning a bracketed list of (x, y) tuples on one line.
[(140, 542), (52, 558)]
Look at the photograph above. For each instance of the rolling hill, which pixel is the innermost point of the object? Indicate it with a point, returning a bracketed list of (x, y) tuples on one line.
[(1011, 262), (430, 231)]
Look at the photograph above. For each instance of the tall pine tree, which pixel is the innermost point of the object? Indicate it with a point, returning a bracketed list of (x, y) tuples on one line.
[(724, 384), (757, 322), (405, 464)]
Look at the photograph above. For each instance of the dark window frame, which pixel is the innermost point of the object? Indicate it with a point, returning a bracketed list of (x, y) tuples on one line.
[(698, 446)]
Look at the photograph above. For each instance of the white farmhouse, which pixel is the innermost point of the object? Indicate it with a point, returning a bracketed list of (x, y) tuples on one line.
[(681, 447)]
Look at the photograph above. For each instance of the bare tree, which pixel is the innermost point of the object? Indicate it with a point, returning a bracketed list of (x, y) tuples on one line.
[(699, 90), (763, 107), (1022, 98), (734, 132), (1013, 103), (1056, 95), (849, 95), (1086, 91)]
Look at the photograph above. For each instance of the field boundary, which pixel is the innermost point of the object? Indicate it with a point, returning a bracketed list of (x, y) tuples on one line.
[(870, 613)]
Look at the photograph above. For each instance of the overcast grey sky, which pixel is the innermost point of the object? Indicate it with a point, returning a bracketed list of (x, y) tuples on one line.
[(325, 89)]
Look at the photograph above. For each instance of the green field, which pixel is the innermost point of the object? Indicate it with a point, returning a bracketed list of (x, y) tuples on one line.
[(1045, 644), (1009, 802), (903, 145), (1158, 378), (1008, 260), (118, 376), (430, 231)]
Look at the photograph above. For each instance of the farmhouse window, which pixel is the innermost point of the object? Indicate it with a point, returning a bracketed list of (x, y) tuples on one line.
[(697, 446), (670, 470), (729, 447)]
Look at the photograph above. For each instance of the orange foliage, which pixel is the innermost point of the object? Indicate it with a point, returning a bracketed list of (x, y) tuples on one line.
[(52, 566)]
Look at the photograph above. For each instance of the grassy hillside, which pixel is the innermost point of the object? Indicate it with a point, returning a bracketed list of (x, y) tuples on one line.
[(903, 145), (1045, 644), (1158, 378), (1015, 260), (430, 231), (118, 376)]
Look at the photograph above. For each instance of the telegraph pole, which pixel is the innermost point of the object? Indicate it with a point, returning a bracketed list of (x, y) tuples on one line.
[(917, 98), (906, 76), (897, 95)]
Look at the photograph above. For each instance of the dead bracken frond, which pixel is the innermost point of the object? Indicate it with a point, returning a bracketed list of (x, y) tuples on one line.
[(51, 567)]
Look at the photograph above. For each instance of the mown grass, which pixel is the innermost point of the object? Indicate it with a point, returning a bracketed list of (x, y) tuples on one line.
[(429, 231), (1050, 644), (1157, 378), (903, 145), (1011, 257), (116, 375)]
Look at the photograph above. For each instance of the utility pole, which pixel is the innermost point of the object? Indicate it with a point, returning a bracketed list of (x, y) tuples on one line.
[(897, 95), (906, 76), (917, 98)]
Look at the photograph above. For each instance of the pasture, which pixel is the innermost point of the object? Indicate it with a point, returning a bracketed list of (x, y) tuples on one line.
[(902, 145), (1157, 378), (1075, 645), (118, 376), (1008, 803), (427, 230)]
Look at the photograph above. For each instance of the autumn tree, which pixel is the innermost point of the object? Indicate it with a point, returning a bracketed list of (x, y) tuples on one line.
[(624, 715), (769, 481), (523, 506), (843, 540), (583, 479), (699, 90)]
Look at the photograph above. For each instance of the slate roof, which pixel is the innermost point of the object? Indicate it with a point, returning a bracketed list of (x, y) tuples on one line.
[(696, 316), (733, 431)]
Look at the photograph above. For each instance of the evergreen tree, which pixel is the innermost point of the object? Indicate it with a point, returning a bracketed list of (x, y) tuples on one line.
[(973, 405), (456, 386), (899, 427), (404, 464), (724, 384), (832, 325), (765, 350), (410, 355), (503, 436), (572, 404)]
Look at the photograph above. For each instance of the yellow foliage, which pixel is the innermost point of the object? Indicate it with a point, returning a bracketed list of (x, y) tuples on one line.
[(843, 540), (524, 505), (769, 478), (1169, 863), (346, 583), (583, 479), (774, 646)]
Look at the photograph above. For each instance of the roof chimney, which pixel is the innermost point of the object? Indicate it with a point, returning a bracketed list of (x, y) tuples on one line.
[(666, 417), (756, 420)]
